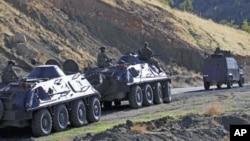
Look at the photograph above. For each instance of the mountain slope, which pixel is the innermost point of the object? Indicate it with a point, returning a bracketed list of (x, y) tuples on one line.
[(62, 29), (220, 10)]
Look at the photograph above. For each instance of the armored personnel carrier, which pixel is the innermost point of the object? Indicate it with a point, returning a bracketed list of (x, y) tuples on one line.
[(221, 68), (133, 80), (48, 100)]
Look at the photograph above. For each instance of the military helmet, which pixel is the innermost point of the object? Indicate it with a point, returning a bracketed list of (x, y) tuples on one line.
[(11, 62), (33, 61), (102, 48)]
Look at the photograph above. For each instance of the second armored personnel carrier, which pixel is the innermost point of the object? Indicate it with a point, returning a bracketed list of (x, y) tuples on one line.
[(133, 80), (47, 100), (221, 68)]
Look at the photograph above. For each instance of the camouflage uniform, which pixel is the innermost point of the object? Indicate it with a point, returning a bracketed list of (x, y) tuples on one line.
[(8, 74), (102, 59), (146, 54)]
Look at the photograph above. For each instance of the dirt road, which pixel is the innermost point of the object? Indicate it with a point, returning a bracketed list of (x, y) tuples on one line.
[(196, 101)]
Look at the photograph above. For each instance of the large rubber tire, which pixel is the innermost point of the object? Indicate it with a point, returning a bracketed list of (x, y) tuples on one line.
[(241, 81), (93, 110), (117, 103), (148, 95), (60, 118), (158, 96), (135, 97), (41, 123), (166, 90), (107, 104), (218, 85), (229, 82), (1, 109), (206, 85), (77, 116)]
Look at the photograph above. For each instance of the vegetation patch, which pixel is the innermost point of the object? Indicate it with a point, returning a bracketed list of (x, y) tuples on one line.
[(214, 108), (139, 128)]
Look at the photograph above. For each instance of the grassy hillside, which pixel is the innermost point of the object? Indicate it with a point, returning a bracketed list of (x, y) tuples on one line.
[(62, 29), (229, 11)]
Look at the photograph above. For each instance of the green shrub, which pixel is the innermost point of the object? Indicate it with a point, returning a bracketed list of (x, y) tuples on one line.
[(245, 26), (167, 2), (187, 5), (229, 23)]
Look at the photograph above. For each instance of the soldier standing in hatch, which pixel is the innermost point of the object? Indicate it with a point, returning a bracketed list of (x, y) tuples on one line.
[(102, 59), (8, 73), (146, 54)]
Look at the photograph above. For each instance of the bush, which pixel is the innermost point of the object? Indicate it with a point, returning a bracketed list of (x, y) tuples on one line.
[(245, 26), (167, 2), (229, 23), (214, 108), (187, 5)]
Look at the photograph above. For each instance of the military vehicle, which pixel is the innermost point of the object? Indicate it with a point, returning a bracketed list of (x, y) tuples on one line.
[(47, 100), (130, 79), (221, 68)]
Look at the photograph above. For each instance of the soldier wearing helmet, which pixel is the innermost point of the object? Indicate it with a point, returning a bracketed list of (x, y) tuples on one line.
[(102, 59), (8, 73)]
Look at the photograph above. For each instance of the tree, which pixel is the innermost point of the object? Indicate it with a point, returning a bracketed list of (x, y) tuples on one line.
[(187, 5), (245, 26)]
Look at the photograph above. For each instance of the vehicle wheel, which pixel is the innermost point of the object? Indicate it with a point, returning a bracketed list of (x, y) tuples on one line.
[(206, 85), (41, 123), (135, 97), (229, 82), (107, 104), (219, 85), (118, 103), (60, 118), (148, 95), (77, 114), (167, 93), (93, 110), (1, 109), (241, 81), (158, 97)]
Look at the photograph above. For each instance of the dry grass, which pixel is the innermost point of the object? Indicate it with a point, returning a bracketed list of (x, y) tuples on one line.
[(214, 108), (139, 128), (1, 27), (225, 138), (209, 34), (78, 54), (201, 33)]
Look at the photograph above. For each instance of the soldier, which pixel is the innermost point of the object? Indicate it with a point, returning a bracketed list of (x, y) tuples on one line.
[(146, 54), (102, 59), (8, 73)]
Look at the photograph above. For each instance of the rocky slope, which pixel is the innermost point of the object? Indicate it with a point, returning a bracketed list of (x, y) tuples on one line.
[(75, 29), (61, 29)]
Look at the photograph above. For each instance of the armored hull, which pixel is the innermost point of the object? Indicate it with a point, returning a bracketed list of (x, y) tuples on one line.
[(133, 80), (221, 68), (48, 100)]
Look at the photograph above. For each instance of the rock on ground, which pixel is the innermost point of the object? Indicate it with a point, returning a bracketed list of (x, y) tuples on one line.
[(191, 127)]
